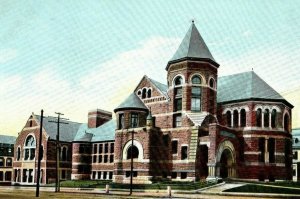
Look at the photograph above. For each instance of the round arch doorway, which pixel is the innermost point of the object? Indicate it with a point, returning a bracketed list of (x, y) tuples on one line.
[(226, 160)]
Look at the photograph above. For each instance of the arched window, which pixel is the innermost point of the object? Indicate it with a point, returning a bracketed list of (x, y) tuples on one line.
[(266, 118), (211, 83), (29, 148), (228, 118), (139, 92), (274, 118), (1, 162), (178, 81), (134, 154), (196, 79), (235, 118), (8, 162), (18, 154), (64, 154), (286, 123), (149, 93), (144, 93), (243, 118), (178, 94), (258, 117)]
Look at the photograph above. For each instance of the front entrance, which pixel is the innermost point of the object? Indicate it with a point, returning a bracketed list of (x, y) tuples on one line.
[(226, 160), (226, 164)]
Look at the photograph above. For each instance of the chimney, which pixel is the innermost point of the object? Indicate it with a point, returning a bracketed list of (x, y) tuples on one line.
[(98, 117)]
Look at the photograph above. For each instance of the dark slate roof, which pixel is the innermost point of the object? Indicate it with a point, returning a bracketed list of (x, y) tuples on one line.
[(131, 102), (6, 139), (162, 87), (244, 86), (67, 131), (104, 132), (192, 47)]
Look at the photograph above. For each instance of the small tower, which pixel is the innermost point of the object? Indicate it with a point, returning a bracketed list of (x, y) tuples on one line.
[(192, 75)]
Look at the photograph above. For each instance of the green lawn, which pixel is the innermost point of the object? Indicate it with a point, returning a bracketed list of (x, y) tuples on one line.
[(157, 185), (286, 184), (251, 188)]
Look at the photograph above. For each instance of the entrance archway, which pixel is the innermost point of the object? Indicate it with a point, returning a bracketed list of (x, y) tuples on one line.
[(226, 160)]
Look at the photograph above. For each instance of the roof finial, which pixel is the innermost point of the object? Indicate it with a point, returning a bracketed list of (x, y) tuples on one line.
[(193, 21)]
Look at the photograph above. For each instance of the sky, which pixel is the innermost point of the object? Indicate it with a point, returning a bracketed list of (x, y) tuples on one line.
[(74, 56)]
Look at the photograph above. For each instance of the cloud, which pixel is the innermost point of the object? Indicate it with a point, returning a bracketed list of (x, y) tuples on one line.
[(7, 55)]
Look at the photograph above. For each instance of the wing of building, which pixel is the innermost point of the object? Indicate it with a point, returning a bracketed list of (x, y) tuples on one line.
[(6, 158), (194, 126)]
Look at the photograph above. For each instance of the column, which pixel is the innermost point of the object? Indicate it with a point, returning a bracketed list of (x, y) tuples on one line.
[(211, 171), (262, 118), (270, 119), (239, 118), (266, 151), (232, 119)]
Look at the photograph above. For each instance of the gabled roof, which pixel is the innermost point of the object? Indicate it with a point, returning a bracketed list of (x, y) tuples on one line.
[(244, 86), (192, 47), (132, 102), (67, 131), (162, 87), (6, 139), (105, 132)]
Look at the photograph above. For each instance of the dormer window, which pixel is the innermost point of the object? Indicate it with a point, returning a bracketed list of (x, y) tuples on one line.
[(144, 93), (149, 92)]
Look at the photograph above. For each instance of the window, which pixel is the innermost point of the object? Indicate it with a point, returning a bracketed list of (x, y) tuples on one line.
[(211, 83), (144, 93), (184, 153), (100, 148), (196, 99), (8, 162), (95, 148), (166, 139), (111, 158), (99, 158), (177, 120), (243, 118), (110, 175), (258, 117), (287, 153), (274, 118), (94, 158), (81, 149), (183, 175), (174, 146), (133, 152), (211, 101), (1, 162), (235, 118), (196, 79), (178, 81), (99, 174), (106, 148), (139, 92), (266, 118), (295, 155), (105, 158), (228, 118), (286, 123), (18, 154), (94, 175), (271, 149), (178, 94), (134, 120), (261, 146), (121, 121), (112, 146), (149, 93), (174, 175), (30, 148), (127, 174), (64, 154)]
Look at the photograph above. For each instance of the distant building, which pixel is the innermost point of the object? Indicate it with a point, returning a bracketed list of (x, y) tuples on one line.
[(296, 154), (6, 158)]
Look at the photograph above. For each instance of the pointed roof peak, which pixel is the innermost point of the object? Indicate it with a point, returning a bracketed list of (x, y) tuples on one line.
[(192, 47)]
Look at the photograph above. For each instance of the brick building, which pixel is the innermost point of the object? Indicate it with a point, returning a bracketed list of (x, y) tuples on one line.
[(296, 154), (197, 126), (201, 126), (6, 158)]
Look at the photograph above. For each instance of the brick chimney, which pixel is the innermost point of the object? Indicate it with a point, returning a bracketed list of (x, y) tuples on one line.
[(98, 117)]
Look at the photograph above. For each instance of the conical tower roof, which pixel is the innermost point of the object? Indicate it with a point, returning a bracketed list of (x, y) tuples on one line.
[(192, 47), (132, 102)]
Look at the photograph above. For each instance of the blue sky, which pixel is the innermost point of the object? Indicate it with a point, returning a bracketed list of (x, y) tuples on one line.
[(72, 56)]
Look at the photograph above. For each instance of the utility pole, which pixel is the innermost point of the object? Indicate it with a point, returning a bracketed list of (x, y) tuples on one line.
[(57, 184), (37, 194)]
